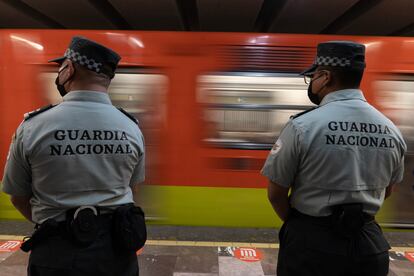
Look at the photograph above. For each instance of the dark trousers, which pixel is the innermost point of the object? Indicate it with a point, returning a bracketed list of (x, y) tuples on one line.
[(59, 256), (313, 248)]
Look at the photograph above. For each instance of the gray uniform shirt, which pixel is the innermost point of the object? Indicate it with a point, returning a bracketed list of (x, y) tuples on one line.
[(82, 152), (344, 151)]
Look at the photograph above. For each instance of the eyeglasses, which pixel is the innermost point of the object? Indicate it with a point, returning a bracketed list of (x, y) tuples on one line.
[(308, 78)]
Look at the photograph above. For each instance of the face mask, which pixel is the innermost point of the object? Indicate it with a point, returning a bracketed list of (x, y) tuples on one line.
[(313, 97), (61, 87)]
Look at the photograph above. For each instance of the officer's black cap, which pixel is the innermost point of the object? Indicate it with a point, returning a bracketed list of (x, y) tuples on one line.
[(347, 55), (91, 55)]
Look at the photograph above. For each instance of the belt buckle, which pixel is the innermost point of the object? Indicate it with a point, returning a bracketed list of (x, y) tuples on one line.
[(93, 208)]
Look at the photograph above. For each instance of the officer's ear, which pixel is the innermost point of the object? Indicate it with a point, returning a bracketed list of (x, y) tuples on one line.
[(328, 77), (70, 71)]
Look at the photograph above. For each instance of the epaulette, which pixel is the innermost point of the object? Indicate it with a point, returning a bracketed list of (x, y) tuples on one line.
[(303, 112), (33, 113), (128, 115)]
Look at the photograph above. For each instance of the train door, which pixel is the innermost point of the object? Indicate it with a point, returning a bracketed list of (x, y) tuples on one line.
[(395, 96), (243, 114)]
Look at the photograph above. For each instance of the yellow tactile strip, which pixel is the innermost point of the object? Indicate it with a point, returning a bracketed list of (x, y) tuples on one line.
[(208, 243), (11, 237), (211, 244)]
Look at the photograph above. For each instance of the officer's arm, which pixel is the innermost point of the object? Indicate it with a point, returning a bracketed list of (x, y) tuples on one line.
[(138, 176), (22, 203), (281, 168), (17, 177), (397, 174), (279, 198)]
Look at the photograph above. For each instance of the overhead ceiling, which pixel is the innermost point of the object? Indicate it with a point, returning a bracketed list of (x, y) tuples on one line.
[(354, 17)]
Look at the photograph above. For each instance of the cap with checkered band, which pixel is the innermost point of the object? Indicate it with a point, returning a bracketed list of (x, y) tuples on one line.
[(347, 55), (91, 55)]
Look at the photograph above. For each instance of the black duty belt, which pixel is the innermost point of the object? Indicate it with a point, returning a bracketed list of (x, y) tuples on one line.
[(325, 220), (347, 220), (76, 224), (126, 225)]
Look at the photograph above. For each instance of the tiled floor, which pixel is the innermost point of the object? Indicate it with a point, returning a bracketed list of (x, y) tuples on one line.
[(178, 258), (201, 251)]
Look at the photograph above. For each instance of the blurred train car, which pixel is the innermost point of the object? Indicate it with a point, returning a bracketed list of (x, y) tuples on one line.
[(211, 105)]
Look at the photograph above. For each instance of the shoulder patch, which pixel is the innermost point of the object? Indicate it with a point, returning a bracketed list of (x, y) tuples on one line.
[(303, 112), (276, 147), (128, 115), (32, 114)]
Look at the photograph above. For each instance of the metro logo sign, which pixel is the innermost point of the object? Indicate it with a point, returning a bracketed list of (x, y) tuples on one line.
[(410, 256), (10, 246), (248, 254)]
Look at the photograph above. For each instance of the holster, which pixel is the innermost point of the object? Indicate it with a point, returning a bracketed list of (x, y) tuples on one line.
[(83, 225), (348, 219), (43, 231), (129, 229)]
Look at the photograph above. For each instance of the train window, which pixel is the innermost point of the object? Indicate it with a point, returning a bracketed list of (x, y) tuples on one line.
[(249, 111), (141, 94), (396, 98)]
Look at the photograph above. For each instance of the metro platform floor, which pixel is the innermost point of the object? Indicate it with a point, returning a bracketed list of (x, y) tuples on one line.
[(201, 251)]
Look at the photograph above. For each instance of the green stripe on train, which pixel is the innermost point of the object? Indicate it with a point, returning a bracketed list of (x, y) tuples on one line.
[(7, 210), (207, 206), (198, 206)]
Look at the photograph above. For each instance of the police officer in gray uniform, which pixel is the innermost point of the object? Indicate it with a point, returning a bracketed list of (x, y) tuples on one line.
[(72, 166), (340, 161)]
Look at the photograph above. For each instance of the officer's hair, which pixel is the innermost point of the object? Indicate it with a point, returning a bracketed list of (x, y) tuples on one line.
[(344, 77), (84, 74)]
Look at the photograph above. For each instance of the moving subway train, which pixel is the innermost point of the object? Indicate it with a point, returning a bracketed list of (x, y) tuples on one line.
[(210, 105)]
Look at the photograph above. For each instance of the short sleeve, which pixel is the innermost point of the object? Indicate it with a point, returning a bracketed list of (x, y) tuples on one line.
[(282, 162), (17, 178), (138, 174), (398, 173)]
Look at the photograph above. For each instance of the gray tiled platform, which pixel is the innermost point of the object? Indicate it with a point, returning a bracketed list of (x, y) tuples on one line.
[(210, 260), (192, 261)]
